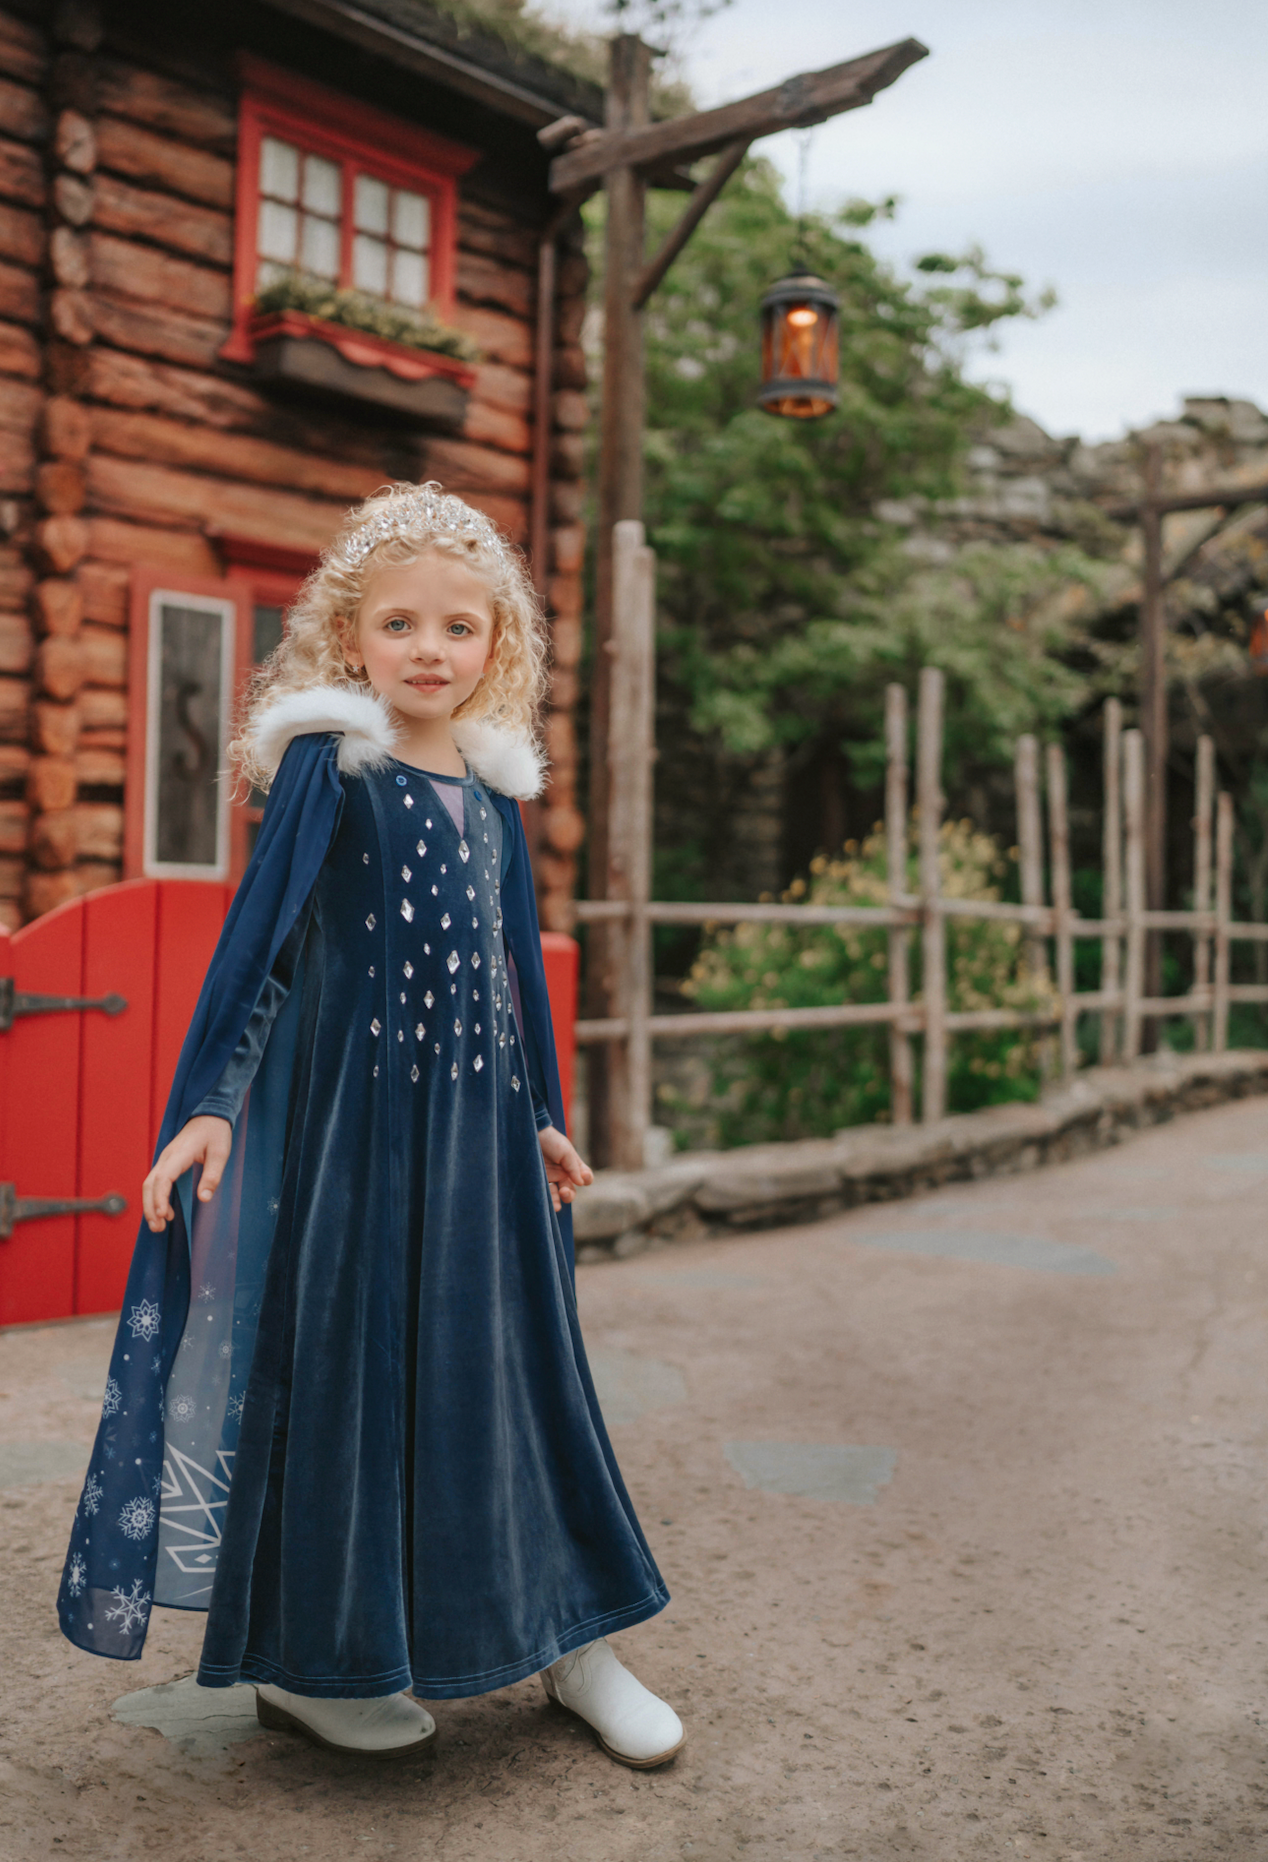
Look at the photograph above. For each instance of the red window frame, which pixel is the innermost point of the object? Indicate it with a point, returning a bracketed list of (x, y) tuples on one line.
[(361, 139)]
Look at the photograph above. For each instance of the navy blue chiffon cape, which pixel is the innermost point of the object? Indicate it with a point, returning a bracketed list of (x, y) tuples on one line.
[(372, 1451)]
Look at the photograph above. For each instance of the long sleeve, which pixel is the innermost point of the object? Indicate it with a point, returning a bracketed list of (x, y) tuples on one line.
[(226, 1097), (541, 1111)]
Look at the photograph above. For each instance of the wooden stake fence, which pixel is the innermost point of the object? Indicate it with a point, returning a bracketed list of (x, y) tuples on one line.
[(629, 912)]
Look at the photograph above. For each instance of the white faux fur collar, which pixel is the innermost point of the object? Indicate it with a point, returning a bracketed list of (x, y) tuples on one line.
[(504, 760)]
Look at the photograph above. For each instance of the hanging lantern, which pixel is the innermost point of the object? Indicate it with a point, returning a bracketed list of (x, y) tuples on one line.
[(1257, 650), (800, 348)]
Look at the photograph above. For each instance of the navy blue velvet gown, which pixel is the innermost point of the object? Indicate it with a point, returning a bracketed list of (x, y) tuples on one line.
[(384, 1461)]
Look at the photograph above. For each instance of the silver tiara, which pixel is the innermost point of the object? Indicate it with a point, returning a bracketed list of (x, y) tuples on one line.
[(427, 508)]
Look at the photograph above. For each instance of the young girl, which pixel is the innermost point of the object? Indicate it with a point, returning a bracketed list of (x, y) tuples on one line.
[(349, 1413)]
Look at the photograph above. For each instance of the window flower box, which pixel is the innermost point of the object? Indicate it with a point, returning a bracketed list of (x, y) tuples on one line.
[(290, 346)]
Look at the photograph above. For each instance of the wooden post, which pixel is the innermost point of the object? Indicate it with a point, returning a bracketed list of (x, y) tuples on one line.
[(620, 498), (1223, 916), (1134, 823), (933, 929), (1112, 871), (1153, 719), (900, 1069), (1030, 845), (1059, 838), (630, 743), (1203, 799)]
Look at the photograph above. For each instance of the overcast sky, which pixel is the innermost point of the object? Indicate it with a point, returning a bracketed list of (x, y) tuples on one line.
[(1115, 149)]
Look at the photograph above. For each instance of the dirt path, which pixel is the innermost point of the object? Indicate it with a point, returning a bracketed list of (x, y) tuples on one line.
[(1033, 1620)]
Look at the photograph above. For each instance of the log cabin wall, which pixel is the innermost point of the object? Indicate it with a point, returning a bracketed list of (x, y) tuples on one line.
[(127, 442)]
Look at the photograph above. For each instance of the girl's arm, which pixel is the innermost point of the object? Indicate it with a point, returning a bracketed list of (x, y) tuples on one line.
[(566, 1171)]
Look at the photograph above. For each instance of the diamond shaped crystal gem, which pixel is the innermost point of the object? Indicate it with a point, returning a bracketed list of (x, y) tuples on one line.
[(452, 961), (457, 1026), (421, 848), (370, 922), (419, 1031), (515, 1083), (464, 852), (413, 1073), (376, 1026), (478, 1062), (409, 971), (475, 960), (409, 801), (406, 875), (365, 859), (429, 998), (445, 922), (407, 911), (453, 1071), (400, 1034), (477, 1028), (471, 892)]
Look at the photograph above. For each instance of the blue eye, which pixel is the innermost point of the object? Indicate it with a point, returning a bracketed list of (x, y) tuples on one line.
[(397, 622)]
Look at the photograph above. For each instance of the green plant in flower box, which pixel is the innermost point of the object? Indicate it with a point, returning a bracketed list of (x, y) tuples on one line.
[(359, 310), (809, 1083)]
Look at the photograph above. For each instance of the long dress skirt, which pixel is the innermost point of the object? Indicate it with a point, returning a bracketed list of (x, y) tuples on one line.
[(423, 1492)]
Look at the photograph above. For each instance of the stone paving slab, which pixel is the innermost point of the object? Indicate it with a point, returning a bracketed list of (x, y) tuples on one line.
[(965, 1558)]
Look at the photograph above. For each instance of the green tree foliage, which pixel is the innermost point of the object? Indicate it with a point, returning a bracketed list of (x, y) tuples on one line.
[(801, 1084), (787, 601)]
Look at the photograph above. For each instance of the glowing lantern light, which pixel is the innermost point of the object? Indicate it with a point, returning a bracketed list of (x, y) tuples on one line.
[(800, 348)]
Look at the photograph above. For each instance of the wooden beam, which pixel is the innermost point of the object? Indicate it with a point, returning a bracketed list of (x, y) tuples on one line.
[(699, 204), (1220, 497), (812, 97)]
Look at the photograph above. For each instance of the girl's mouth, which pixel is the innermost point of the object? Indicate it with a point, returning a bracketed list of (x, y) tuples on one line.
[(424, 683)]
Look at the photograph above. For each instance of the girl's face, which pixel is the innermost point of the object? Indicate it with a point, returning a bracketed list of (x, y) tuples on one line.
[(424, 634)]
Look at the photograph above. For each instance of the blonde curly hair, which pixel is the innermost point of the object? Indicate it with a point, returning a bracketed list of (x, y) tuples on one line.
[(392, 528)]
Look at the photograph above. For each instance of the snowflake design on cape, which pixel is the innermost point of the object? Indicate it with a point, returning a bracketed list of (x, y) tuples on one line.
[(183, 1408), (206, 1291), (143, 1320), (236, 1406), (90, 1500), (137, 1517), (76, 1576), (113, 1398), (131, 1608)]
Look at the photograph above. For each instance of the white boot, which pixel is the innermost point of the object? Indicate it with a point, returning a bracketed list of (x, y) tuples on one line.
[(629, 1722), (389, 1726)]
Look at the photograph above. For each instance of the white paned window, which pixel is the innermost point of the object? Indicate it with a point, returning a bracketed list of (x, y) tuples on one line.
[(188, 706), (305, 202)]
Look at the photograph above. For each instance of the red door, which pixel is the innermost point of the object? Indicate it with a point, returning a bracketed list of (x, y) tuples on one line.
[(82, 1089)]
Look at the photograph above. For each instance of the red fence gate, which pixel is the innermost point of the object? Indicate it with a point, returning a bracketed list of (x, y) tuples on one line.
[(95, 998)]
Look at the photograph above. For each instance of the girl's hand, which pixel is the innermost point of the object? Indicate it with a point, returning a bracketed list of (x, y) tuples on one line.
[(206, 1141), (565, 1172)]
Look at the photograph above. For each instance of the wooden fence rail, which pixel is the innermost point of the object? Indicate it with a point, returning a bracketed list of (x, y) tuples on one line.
[(1123, 931)]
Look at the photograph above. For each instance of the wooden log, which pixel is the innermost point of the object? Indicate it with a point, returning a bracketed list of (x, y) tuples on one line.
[(17, 464), (568, 455), (72, 199), (165, 334), (59, 666), (75, 142), (56, 727), (23, 111), (461, 466), (103, 655), (484, 280), (493, 426), (100, 769), (14, 820), (130, 270), (628, 878), (54, 840), (19, 294), (166, 105), (66, 368), (186, 394), (15, 695), (1030, 843), (1204, 798), (504, 387), (68, 257), (142, 213), (567, 501), (92, 875), (150, 493), (1223, 918), (58, 606), (163, 162), (71, 315), (1062, 904), (501, 338), (1112, 870), (178, 551), (61, 542), (17, 643), (16, 578), (73, 82), (23, 50), (20, 405), (510, 513), (44, 892), (1134, 874), (21, 174), (50, 783), (900, 1054), (570, 410), (65, 427), (21, 236), (158, 441), (60, 485), (929, 805), (19, 353), (569, 368), (101, 712), (104, 589), (99, 828), (14, 762), (495, 235)]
